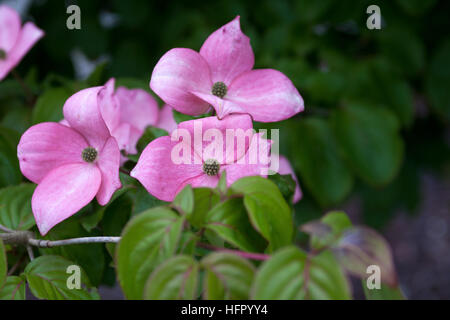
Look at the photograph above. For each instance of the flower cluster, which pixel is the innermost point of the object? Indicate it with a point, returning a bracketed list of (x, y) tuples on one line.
[(78, 159)]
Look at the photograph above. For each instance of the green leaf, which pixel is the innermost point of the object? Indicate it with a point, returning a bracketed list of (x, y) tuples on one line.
[(286, 184), (177, 278), (49, 105), (132, 83), (227, 276), (316, 159), (222, 184), (369, 139), (3, 263), (405, 50), (13, 289), (96, 76), (148, 239), (184, 200), (269, 213), (416, 7), (181, 117), (143, 200), (291, 275), (384, 293), (47, 278), (204, 200), (15, 206), (229, 220), (437, 80), (150, 134), (9, 164)]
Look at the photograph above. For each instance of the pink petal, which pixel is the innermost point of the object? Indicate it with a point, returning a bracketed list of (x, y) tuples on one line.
[(252, 164), (109, 105), (267, 95), (285, 168), (137, 107), (28, 36), (46, 146), (109, 163), (9, 27), (122, 135), (166, 120), (176, 74), (223, 107), (82, 113), (228, 52), (64, 122), (202, 181), (213, 127), (63, 192), (159, 174)]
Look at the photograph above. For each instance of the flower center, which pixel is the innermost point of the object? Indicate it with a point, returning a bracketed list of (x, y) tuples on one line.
[(89, 154), (219, 89), (2, 54), (211, 167)]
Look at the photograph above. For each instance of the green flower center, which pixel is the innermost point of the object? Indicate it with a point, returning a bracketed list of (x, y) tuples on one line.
[(2, 54), (219, 89), (211, 167), (89, 154)]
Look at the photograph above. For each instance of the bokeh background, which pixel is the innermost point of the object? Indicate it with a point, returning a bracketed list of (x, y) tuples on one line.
[(373, 140)]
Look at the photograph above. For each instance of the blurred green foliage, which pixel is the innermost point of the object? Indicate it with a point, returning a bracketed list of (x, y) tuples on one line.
[(377, 103)]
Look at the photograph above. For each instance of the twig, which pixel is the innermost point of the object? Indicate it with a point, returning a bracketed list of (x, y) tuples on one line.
[(123, 170), (5, 229), (243, 254), (58, 243), (30, 253)]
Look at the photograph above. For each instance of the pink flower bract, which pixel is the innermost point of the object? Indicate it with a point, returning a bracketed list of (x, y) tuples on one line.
[(127, 112), (164, 178), (15, 40), (221, 75), (71, 164)]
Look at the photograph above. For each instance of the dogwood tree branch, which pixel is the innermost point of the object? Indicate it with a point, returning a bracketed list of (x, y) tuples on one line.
[(27, 238)]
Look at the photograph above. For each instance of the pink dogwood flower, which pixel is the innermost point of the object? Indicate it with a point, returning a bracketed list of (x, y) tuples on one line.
[(71, 164), (285, 168), (128, 112), (221, 75), (15, 40), (164, 176)]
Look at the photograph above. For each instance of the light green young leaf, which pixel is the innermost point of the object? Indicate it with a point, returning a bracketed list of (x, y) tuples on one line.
[(148, 239), (291, 275), (229, 220), (177, 278), (185, 200), (328, 230), (227, 276), (269, 213), (204, 200)]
